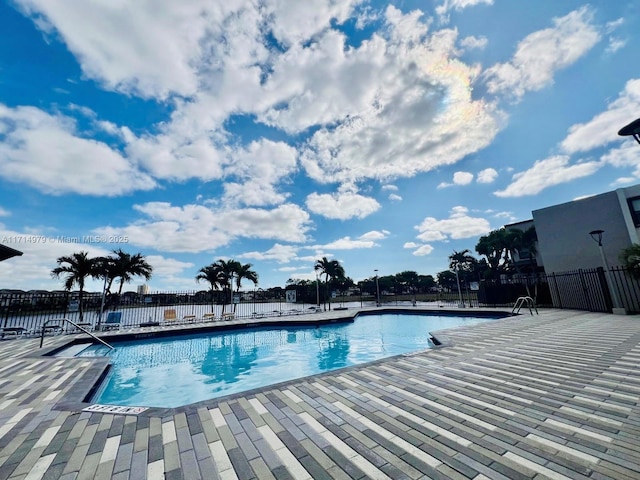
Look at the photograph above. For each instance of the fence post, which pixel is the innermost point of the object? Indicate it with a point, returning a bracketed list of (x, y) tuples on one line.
[(605, 289)]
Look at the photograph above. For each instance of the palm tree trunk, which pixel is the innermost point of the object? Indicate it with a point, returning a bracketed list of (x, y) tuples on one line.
[(80, 308)]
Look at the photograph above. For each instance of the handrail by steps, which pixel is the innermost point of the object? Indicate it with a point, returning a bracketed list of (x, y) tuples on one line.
[(75, 325)]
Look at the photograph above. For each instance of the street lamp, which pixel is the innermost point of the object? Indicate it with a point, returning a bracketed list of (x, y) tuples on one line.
[(377, 289), (596, 235), (633, 130)]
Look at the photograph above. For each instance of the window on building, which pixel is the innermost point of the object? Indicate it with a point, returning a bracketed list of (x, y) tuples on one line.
[(634, 206)]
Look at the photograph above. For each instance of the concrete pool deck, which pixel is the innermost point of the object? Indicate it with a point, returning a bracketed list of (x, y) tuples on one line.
[(555, 395)]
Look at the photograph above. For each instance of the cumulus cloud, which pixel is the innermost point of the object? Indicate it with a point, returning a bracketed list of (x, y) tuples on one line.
[(458, 225), (147, 48), (472, 42), (341, 205), (280, 253), (346, 243), (541, 54), (547, 173), (488, 175), (46, 152), (449, 5), (602, 128), (459, 178), (423, 250), (375, 235), (400, 112), (196, 228), (395, 198)]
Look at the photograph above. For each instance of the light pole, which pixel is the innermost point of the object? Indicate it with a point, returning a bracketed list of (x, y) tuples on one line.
[(377, 289), (596, 235), (317, 292)]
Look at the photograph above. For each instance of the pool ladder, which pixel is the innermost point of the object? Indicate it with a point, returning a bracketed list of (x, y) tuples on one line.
[(524, 302)]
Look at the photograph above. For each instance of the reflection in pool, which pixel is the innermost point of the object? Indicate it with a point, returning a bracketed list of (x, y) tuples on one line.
[(173, 371)]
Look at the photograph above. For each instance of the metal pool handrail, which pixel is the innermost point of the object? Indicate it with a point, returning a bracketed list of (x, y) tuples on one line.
[(75, 325)]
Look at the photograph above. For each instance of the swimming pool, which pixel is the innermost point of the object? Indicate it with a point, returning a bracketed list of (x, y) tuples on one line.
[(173, 371)]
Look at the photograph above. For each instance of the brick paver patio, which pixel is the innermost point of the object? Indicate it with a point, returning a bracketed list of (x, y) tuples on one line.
[(528, 397)]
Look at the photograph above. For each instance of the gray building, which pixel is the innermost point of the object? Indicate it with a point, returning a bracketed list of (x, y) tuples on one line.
[(564, 242)]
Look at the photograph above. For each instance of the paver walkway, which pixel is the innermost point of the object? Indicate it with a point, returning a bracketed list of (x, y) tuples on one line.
[(550, 396)]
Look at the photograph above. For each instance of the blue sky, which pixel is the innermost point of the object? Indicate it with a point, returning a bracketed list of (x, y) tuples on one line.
[(381, 134)]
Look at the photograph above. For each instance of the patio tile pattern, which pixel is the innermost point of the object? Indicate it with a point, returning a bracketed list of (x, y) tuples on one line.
[(549, 396)]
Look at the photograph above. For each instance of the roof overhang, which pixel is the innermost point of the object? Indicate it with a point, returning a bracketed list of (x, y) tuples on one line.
[(8, 252)]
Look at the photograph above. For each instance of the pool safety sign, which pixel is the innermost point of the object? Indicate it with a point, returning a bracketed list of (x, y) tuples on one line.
[(291, 296)]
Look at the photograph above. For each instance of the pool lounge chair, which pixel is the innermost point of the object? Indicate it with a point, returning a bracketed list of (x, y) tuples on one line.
[(228, 316), (209, 317), (112, 322), (12, 332), (189, 319), (171, 317)]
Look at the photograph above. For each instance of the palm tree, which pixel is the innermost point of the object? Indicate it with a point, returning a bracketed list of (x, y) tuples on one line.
[(460, 261), (212, 274), (331, 269), (630, 258), (75, 269), (127, 266), (227, 270), (244, 271)]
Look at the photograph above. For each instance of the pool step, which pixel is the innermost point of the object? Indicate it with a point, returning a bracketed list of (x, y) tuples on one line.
[(73, 350)]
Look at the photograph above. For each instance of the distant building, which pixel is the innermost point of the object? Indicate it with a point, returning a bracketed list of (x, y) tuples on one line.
[(143, 289)]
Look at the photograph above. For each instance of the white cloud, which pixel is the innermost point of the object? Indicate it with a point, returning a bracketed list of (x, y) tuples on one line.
[(4, 212), (471, 42), (279, 253), (420, 249), (391, 108), (625, 156), (341, 205), (615, 44), (389, 187), (196, 228), (458, 5), (462, 178), (47, 153), (488, 175), (547, 173), (602, 129), (458, 225), (395, 198), (623, 181), (261, 165), (459, 178), (423, 250), (32, 270), (147, 48), (541, 54), (346, 243), (375, 235), (612, 26)]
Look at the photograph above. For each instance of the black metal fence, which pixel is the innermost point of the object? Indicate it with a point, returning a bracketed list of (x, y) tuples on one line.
[(586, 289), (583, 289)]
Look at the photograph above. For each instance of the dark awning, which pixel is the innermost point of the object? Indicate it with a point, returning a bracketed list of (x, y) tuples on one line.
[(8, 252)]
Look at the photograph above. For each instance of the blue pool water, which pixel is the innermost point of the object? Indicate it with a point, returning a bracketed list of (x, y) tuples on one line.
[(174, 371)]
